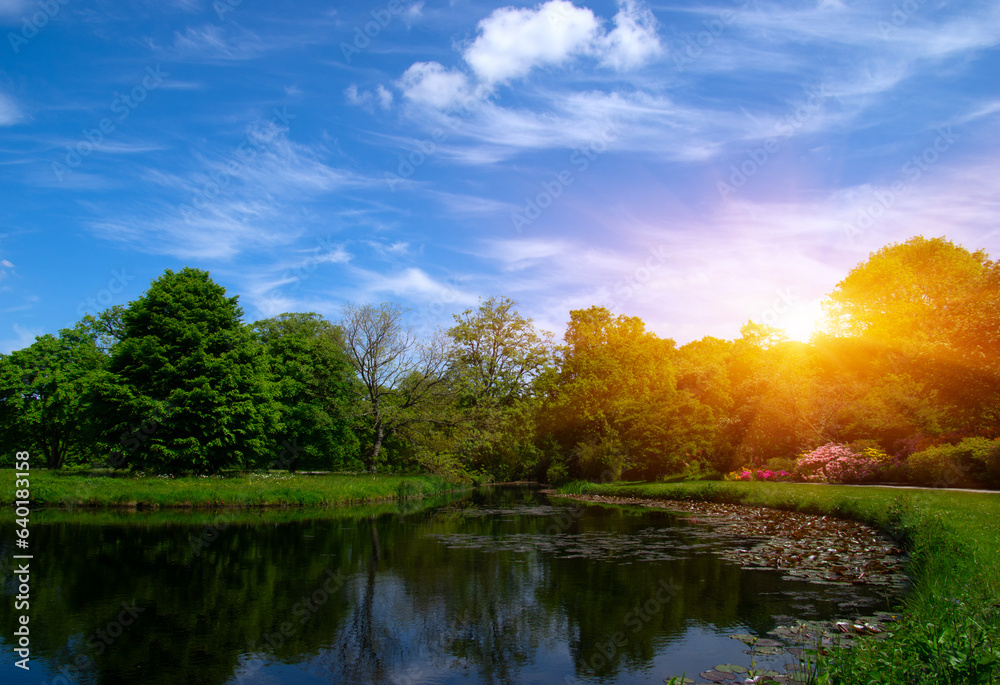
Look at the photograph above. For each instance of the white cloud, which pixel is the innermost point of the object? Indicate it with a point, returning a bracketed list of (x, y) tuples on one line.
[(413, 13), (634, 40), (10, 114), (212, 42), (429, 83), (513, 41), (354, 97), (383, 96), (365, 99)]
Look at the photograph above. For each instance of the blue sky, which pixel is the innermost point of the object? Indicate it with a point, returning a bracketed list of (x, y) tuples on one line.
[(695, 164)]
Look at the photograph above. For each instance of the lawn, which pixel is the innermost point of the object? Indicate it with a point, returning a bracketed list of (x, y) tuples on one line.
[(951, 628), (90, 489)]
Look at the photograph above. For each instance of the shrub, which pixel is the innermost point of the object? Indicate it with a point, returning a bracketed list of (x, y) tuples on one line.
[(781, 464), (988, 458), (812, 466), (973, 461), (557, 474), (747, 473), (837, 463)]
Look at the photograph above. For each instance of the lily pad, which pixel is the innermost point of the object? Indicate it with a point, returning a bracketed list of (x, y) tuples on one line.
[(716, 676), (731, 668)]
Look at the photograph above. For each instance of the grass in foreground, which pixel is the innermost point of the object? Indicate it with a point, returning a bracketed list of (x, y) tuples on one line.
[(951, 631), (54, 489)]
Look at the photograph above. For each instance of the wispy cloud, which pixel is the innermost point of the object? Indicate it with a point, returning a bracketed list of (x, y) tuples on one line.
[(10, 113), (23, 337), (232, 204)]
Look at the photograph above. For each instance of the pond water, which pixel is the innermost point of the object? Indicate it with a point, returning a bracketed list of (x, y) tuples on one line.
[(502, 586)]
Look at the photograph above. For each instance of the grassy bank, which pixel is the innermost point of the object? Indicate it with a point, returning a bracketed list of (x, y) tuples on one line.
[(951, 630), (55, 489)]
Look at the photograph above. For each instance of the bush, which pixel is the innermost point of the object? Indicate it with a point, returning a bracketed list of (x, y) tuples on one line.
[(837, 463), (973, 461), (780, 464), (557, 474), (747, 473)]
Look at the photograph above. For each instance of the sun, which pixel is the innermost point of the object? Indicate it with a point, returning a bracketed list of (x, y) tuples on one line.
[(802, 321)]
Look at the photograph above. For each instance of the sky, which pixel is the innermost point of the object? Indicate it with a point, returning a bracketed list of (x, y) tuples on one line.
[(696, 164)]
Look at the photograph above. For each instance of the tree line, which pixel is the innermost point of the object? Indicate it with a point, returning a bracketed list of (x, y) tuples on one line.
[(178, 382)]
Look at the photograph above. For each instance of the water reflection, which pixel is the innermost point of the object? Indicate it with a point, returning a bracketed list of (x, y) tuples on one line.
[(501, 587)]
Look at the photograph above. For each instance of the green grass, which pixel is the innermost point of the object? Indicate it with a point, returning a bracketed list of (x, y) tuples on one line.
[(88, 489), (951, 628)]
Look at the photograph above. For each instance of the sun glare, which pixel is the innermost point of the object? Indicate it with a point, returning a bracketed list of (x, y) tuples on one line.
[(802, 321)]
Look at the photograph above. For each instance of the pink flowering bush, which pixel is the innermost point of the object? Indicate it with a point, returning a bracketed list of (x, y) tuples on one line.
[(836, 463), (814, 466), (758, 474)]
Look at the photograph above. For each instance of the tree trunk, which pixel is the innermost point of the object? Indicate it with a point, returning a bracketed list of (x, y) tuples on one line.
[(376, 447)]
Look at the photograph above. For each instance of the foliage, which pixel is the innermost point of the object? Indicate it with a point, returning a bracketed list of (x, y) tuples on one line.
[(315, 390), (972, 461), (614, 406), (45, 394), (497, 357), (405, 382), (747, 473), (812, 466), (187, 387)]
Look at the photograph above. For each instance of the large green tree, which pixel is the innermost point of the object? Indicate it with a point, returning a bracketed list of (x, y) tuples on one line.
[(925, 310), (614, 405), (316, 391), (45, 394), (187, 386), (498, 356)]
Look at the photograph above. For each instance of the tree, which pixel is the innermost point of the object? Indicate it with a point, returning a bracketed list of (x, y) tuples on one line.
[(187, 386), (315, 388), (498, 355), (500, 350), (914, 291), (45, 395), (928, 307), (614, 403), (405, 383)]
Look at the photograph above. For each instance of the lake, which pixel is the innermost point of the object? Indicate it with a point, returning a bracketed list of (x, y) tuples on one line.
[(504, 585)]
